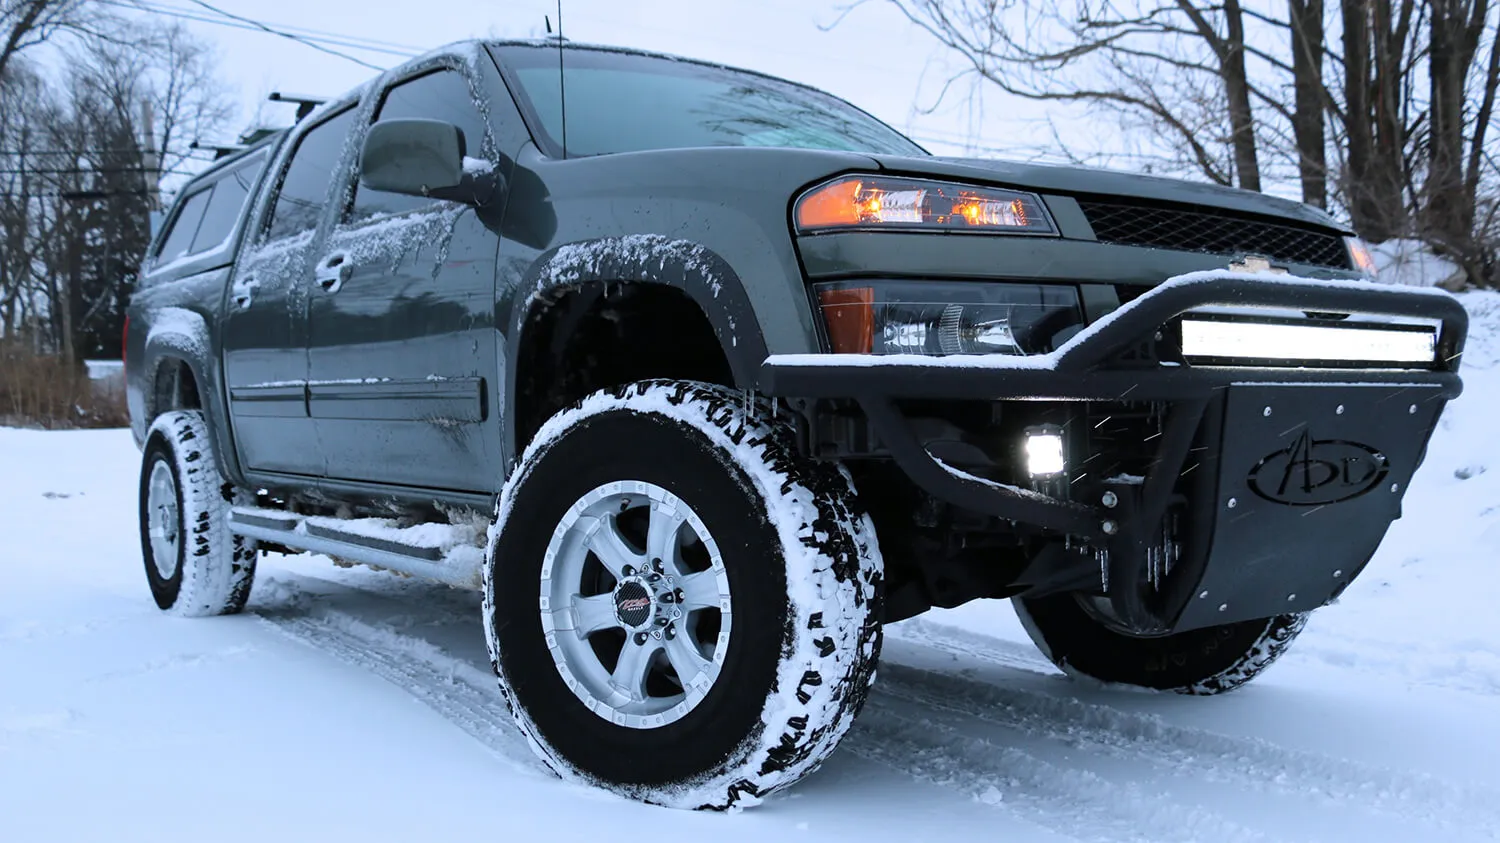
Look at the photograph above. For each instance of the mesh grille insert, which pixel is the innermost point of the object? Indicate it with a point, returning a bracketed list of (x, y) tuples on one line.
[(1205, 231)]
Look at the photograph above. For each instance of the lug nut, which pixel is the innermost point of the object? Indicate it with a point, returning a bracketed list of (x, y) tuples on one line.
[(671, 631), (627, 571), (640, 638), (1110, 499), (663, 621), (656, 565), (669, 597)]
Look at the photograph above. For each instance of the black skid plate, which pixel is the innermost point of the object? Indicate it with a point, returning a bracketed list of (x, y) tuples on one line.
[(1310, 478)]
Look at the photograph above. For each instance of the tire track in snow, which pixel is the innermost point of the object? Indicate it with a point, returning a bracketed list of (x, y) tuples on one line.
[(922, 723), (1074, 802), (1244, 762), (441, 682), (960, 642)]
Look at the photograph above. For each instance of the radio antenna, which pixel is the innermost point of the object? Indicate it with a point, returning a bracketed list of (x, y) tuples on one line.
[(562, 81)]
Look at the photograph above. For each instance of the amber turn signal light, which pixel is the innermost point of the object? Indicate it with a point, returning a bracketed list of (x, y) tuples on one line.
[(849, 313)]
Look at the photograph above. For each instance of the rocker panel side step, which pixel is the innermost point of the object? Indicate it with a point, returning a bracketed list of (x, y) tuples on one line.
[(322, 535), (322, 529)]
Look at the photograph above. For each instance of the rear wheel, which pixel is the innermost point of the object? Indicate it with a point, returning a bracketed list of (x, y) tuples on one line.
[(1081, 640), (680, 608), (194, 565)]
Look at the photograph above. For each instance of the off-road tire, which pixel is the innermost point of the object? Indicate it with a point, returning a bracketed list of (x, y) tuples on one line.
[(805, 578), (214, 569), (1202, 662)]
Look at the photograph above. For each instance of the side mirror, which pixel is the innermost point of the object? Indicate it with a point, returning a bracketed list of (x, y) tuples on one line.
[(414, 157), (425, 158)]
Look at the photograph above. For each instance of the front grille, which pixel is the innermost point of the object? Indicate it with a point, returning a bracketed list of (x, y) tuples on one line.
[(1192, 230)]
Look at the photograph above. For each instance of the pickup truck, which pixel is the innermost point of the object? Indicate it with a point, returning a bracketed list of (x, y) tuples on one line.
[(702, 377)]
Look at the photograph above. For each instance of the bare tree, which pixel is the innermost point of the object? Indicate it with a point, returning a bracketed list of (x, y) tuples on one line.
[(1449, 192), (1380, 109), (1311, 100), (78, 179), (1379, 41), (1182, 66), (27, 23)]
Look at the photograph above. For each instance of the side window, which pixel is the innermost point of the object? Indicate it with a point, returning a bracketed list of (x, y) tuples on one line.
[(179, 238), (226, 204), (443, 95), (304, 187)]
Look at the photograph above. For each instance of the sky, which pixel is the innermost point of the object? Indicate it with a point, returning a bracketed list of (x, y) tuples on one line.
[(869, 54)]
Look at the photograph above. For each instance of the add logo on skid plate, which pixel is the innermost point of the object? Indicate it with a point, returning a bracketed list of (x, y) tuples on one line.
[(1314, 472)]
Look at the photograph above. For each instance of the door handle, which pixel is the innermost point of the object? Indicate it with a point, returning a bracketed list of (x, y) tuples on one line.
[(333, 271), (243, 293)]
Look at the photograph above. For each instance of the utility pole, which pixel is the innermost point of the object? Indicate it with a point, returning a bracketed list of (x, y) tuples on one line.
[(150, 160)]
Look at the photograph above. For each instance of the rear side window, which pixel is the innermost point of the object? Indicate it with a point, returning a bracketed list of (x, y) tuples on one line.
[(443, 95), (304, 187), (179, 238), (226, 204)]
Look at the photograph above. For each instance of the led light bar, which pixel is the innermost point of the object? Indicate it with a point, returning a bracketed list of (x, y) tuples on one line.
[(1246, 342)]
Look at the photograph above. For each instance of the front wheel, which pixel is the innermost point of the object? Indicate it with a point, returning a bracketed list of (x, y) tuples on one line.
[(679, 607), (1205, 661)]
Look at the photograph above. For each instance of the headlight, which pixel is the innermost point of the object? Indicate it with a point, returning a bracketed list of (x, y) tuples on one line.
[(902, 203), (1359, 255), (932, 317)]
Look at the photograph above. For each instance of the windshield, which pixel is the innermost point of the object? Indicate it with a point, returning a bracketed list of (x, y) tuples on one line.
[(624, 102)]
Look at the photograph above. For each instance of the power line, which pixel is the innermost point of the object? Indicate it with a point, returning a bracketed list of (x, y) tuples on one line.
[(251, 23), (284, 34), (359, 41), (311, 35)]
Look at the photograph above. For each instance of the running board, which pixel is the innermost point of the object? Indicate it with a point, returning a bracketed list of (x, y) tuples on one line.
[(446, 553)]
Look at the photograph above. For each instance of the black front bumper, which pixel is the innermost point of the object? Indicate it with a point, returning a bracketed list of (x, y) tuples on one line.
[(1305, 467)]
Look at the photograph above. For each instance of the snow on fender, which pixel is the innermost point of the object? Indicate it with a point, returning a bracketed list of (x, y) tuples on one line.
[(799, 580)]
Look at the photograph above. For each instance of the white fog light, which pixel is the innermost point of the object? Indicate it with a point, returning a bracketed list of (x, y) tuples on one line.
[(1044, 451)]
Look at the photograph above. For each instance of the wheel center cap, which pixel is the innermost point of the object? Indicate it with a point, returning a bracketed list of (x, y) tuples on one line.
[(634, 605)]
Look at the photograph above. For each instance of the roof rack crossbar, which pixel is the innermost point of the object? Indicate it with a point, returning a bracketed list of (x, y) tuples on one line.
[(305, 103)]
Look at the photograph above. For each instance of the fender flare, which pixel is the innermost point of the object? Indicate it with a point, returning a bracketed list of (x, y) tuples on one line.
[(179, 334), (690, 267)]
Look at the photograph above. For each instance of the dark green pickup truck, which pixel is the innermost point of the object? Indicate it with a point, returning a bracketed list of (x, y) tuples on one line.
[(703, 376)]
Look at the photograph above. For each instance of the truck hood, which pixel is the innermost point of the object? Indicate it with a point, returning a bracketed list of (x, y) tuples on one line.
[(1088, 181)]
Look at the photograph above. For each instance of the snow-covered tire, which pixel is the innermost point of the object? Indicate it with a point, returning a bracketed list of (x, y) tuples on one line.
[(1201, 662), (194, 565), (797, 565)]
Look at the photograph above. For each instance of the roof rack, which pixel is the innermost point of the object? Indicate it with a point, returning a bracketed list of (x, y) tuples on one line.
[(220, 150), (305, 104), (254, 136)]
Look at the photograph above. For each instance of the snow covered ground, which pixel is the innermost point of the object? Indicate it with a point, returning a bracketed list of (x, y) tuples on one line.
[(352, 705)]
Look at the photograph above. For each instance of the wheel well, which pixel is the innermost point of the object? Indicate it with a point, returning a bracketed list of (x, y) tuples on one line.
[(603, 335), (174, 388)]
